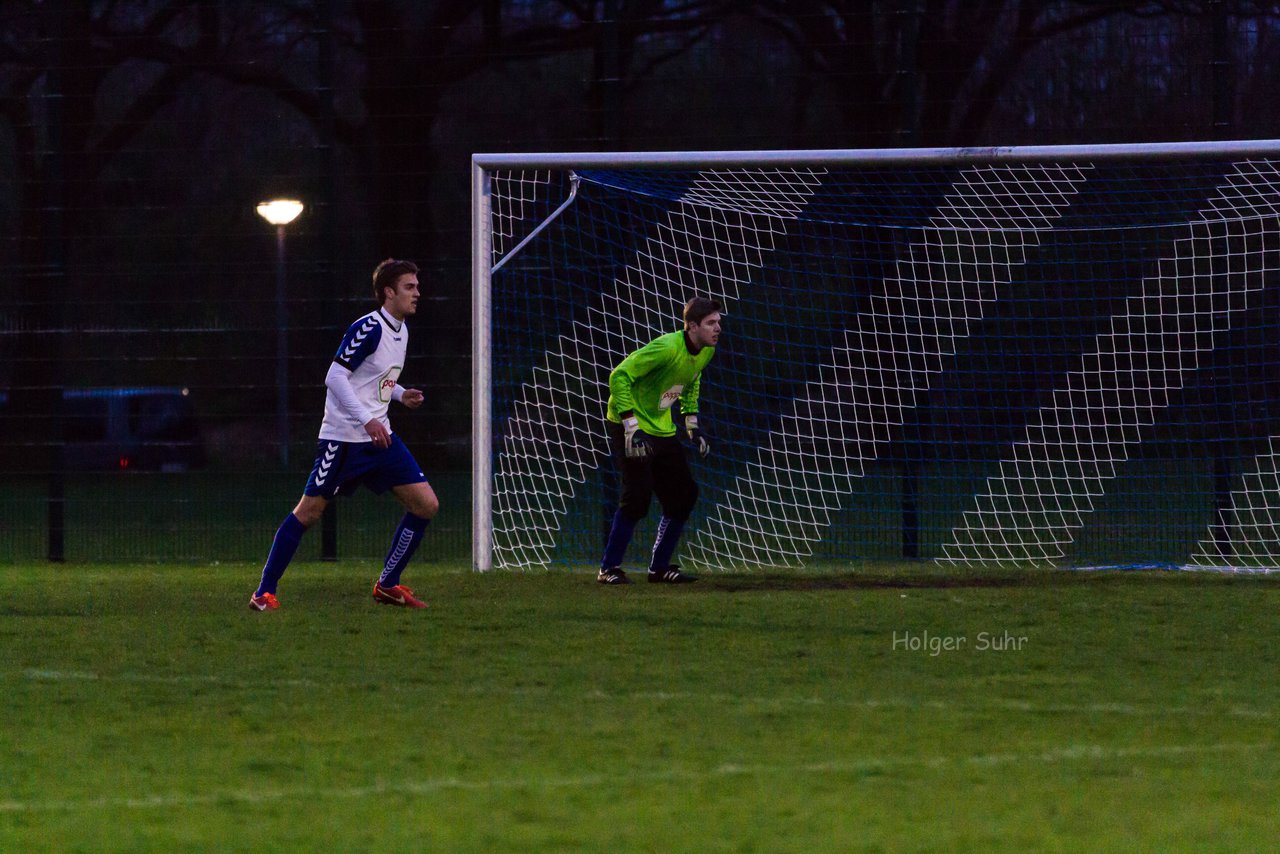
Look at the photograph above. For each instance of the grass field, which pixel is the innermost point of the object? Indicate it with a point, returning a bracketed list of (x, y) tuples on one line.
[(144, 708)]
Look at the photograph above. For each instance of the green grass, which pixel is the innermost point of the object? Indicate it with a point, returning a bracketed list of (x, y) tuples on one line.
[(144, 708)]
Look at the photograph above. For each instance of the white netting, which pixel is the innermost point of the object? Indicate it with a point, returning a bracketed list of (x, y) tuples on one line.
[(1031, 509), (515, 202), (1039, 363), (1246, 535), (556, 432), (778, 508)]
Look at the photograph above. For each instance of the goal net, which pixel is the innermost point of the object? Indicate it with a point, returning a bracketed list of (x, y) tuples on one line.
[(1028, 357)]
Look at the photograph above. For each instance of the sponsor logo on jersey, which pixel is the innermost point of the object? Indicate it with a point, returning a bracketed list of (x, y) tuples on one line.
[(387, 382), (670, 396)]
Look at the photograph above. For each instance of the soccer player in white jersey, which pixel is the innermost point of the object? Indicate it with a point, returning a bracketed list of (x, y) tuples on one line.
[(357, 447)]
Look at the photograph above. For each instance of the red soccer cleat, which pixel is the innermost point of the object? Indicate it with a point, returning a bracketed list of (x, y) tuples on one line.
[(265, 602), (398, 595)]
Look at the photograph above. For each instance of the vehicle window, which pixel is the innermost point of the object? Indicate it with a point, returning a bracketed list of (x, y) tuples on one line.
[(86, 420), (161, 417)]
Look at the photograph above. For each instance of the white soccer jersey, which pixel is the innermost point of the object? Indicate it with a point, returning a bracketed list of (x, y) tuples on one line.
[(373, 350)]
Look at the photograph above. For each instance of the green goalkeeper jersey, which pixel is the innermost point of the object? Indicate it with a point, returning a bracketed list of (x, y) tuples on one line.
[(653, 378)]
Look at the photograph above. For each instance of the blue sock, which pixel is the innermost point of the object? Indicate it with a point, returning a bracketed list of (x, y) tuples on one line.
[(288, 535), (619, 538), (664, 547), (403, 545)]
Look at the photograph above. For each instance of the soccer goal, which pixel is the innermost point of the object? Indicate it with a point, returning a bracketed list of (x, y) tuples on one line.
[(1045, 356)]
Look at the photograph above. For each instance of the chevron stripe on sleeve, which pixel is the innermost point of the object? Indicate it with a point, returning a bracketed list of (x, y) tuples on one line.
[(359, 343)]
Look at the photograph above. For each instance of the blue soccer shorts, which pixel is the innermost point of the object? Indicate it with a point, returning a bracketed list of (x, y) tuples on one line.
[(343, 467)]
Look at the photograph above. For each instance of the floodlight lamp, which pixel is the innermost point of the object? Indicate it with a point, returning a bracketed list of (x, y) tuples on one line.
[(280, 211)]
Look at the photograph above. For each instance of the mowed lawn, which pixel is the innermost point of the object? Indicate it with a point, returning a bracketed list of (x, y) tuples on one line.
[(876, 708)]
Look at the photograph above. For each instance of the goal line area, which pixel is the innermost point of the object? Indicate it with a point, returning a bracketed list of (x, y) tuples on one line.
[(1039, 357)]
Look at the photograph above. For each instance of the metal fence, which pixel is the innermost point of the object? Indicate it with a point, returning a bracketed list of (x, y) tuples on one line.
[(162, 348)]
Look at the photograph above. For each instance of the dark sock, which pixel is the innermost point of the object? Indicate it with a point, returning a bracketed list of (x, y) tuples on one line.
[(403, 545), (283, 547), (664, 547), (619, 538)]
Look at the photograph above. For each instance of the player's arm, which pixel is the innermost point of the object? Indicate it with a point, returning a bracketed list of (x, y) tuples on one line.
[(410, 397), (689, 413), (360, 341), (338, 381), (631, 370), (621, 382), (689, 397)]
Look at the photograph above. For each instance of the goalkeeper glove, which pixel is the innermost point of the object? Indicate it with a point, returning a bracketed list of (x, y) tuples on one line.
[(696, 437), (633, 443)]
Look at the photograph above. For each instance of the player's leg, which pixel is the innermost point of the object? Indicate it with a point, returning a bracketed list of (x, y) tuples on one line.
[(677, 493), (420, 505), (330, 467), (400, 472), (633, 505), (283, 547)]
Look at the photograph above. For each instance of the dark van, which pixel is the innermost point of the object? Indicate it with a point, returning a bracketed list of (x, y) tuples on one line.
[(125, 429)]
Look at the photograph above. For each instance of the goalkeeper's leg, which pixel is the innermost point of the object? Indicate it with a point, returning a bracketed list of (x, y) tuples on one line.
[(677, 492), (637, 493)]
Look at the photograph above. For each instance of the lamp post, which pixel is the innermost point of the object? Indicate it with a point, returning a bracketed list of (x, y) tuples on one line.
[(281, 212)]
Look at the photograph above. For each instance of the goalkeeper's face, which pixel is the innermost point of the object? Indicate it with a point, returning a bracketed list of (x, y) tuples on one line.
[(707, 332)]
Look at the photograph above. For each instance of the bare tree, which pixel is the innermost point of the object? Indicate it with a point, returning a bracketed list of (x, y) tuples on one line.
[(404, 56), (932, 71), (365, 81)]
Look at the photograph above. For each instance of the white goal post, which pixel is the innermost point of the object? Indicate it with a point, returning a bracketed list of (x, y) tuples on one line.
[(1023, 356)]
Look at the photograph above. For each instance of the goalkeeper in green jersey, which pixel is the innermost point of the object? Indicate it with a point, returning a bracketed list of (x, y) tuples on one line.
[(643, 388)]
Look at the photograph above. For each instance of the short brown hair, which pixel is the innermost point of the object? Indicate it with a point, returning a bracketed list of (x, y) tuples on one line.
[(386, 274), (697, 309)]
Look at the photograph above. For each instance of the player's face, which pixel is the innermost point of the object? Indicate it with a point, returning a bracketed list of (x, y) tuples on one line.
[(404, 301), (706, 333)]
